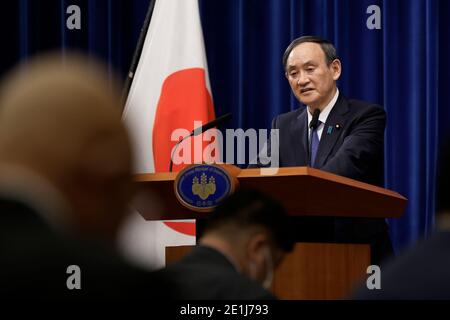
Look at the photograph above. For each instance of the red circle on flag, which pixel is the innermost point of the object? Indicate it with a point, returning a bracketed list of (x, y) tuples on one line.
[(187, 228)]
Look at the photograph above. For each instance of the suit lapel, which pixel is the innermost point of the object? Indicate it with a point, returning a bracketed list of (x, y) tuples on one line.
[(299, 134), (331, 131)]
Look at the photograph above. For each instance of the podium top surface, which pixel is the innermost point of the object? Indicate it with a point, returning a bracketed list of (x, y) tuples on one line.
[(303, 191)]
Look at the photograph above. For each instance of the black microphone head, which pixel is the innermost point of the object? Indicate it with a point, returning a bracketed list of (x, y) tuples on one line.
[(315, 119), (211, 124), (224, 117)]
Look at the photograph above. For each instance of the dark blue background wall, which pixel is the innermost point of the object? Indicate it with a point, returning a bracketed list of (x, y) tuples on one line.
[(403, 67)]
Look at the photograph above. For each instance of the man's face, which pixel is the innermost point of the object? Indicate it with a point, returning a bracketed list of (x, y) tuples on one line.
[(312, 81)]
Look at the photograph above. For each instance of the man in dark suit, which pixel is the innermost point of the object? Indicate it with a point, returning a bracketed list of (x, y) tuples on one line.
[(65, 183), (422, 272), (331, 133), (243, 241)]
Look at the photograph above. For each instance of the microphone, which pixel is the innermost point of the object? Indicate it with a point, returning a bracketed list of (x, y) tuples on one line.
[(315, 119), (211, 124), (198, 131)]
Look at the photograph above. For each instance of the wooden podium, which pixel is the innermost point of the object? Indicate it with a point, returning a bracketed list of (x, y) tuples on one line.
[(312, 270)]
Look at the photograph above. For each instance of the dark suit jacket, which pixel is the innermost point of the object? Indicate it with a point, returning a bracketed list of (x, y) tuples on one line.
[(206, 274), (34, 260), (421, 273), (351, 145), (354, 148)]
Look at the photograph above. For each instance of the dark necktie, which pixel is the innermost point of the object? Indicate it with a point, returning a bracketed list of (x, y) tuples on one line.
[(314, 144)]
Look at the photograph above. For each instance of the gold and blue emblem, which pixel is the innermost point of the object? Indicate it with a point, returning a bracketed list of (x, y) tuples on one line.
[(202, 187)]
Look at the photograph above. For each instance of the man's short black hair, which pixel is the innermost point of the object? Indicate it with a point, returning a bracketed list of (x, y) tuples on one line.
[(247, 208), (327, 47)]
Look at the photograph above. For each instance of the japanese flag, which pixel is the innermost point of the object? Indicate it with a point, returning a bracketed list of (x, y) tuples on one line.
[(170, 90)]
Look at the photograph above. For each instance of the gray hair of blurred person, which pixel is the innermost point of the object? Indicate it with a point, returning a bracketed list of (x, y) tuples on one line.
[(60, 117)]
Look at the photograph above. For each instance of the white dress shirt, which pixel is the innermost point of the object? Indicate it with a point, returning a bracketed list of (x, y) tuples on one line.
[(323, 115)]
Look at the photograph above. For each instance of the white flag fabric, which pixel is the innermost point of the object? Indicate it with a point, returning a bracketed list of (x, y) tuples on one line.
[(170, 90)]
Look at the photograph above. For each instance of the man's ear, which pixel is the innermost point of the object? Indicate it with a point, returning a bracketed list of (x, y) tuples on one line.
[(255, 245), (336, 68), (256, 255)]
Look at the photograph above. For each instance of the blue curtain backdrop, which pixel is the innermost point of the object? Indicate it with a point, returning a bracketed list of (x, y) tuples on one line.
[(403, 67)]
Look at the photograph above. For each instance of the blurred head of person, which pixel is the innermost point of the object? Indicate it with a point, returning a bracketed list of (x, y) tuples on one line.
[(312, 68), (252, 230), (60, 119), (443, 188)]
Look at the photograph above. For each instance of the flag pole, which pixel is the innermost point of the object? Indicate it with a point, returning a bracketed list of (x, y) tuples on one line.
[(137, 53)]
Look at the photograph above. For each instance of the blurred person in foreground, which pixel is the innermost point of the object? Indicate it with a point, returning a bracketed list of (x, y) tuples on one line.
[(242, 243), (422, 272), (65, 182)]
